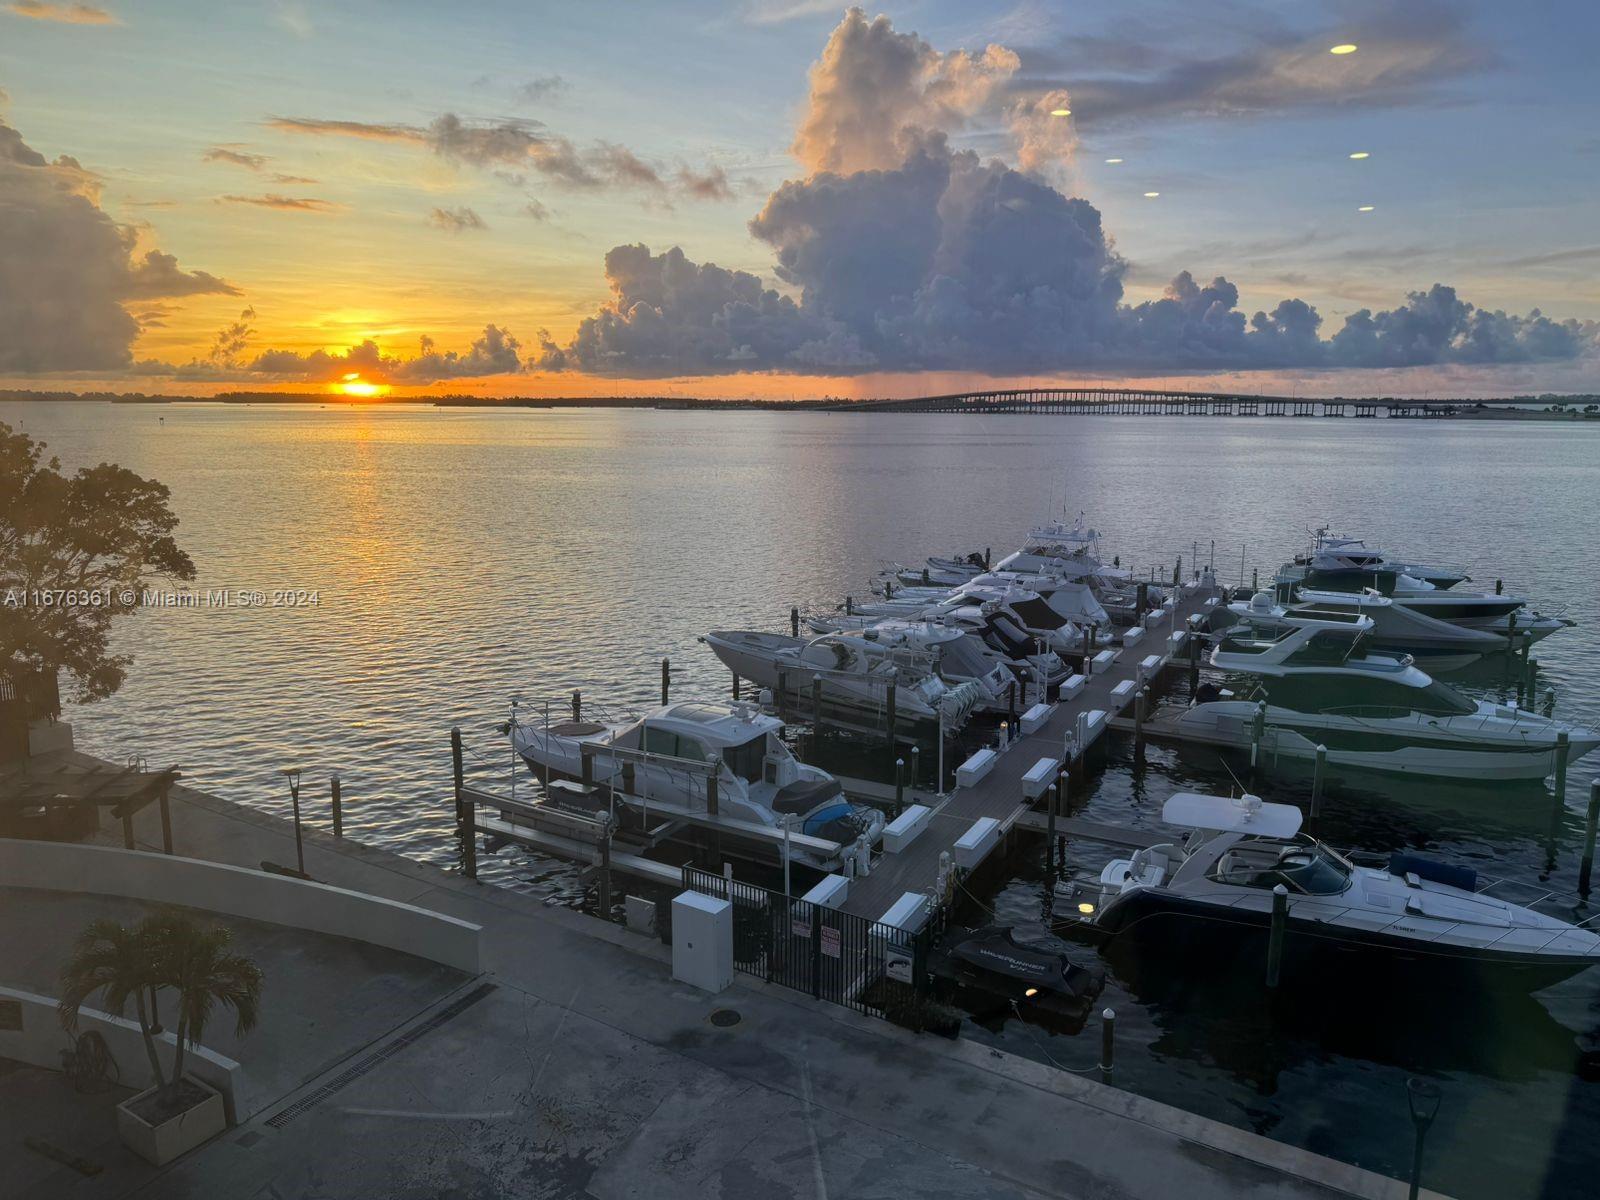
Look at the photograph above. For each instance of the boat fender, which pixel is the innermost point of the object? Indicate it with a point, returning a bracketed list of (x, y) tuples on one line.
[(1402, 864)]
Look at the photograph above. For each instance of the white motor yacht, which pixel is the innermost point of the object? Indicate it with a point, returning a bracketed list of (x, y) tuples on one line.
[(667, 753), (1378, 712), (1218, 882), (1434, 644)]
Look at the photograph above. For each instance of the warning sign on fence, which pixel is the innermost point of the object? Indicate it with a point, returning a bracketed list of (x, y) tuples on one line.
[(800, 927), (830, 941)]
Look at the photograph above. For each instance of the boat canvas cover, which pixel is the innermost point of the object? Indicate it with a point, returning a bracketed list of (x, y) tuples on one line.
[(1222, 814), (997, 950)]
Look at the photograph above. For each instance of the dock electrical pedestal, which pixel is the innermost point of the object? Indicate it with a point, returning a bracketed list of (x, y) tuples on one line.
[(702, 941)]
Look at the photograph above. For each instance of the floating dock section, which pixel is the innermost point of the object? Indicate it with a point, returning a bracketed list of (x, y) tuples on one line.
[(963, 828)]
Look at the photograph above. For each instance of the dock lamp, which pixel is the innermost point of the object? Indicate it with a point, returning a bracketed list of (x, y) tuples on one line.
[(1423, 1097)]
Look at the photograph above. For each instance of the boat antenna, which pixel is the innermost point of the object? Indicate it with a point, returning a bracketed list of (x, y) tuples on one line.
[(1234, 777)]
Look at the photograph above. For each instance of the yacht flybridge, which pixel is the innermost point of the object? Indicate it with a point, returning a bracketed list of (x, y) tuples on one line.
[(666, 757), (1218, 881), (855, 675), (1349, 565), (1309, 667), (1332, 557)]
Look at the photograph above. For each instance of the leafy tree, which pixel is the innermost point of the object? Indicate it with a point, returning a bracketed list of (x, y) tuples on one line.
[(75, 553), (164, 951)]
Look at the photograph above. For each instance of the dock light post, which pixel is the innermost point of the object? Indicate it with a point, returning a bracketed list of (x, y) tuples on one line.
[(899, 786), (1423, 1098), (787, 891), (293, 775)]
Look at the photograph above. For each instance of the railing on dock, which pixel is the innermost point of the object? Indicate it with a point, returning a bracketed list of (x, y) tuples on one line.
[(829, 954)]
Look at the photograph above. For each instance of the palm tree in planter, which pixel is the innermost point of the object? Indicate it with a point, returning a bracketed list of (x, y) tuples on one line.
[(164, 952)]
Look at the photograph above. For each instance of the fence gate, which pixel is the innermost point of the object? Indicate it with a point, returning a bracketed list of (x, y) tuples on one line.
[(830, 954)]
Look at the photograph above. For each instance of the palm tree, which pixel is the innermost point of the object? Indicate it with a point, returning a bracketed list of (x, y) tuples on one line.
[(165, 950)]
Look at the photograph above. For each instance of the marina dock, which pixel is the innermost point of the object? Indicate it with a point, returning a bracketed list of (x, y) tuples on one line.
[(970, 822)]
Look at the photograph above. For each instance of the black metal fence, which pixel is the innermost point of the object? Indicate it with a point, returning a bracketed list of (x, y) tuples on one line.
[(829, 954)]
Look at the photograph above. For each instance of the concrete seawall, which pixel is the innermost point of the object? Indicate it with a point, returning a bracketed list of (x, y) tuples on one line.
[(241, 892)]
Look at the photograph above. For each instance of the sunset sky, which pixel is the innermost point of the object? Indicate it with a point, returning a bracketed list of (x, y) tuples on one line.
[(203, 197)]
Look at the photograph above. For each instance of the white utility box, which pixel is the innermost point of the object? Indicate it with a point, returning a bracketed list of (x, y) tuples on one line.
[(702, 941)]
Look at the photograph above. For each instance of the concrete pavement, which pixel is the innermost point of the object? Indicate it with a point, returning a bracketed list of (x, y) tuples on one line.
[(587, 1071)]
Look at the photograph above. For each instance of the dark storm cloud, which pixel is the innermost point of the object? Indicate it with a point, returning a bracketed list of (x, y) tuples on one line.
[(66, 267)]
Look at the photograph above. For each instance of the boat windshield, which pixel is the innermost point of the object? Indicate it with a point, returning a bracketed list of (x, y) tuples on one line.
[(746, 761), (1304, 867)]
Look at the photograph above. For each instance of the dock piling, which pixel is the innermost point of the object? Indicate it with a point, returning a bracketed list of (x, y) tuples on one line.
[(1586, 867), (889, 706), (338, 810), (1050, 825), (1563, 749), (1550, 702), (1108, 1040), (794, 622), (916, 765), (736, 685), (1280, 923), (899, 786), (1140, 703), (1258, 730), (577, 706), (849, 606), (816, 703), (1316, 778), (666, 680)]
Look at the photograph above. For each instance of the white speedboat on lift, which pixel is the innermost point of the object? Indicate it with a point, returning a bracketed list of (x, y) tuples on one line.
[(855, 675), (1370, 711), (1218, 882), (662, 760), (1435, 645)]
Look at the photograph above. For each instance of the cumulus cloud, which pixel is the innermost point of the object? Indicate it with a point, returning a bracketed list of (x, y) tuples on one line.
[(513, 147), (65, 14), (285, 203), (66, 268), (873, 82), (901, 253), (496, 352), (456, 220)]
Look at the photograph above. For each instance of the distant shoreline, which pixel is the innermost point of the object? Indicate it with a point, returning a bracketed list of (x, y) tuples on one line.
[(1509, 408)]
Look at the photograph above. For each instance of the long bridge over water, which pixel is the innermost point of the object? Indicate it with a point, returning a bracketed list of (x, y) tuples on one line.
[(1138, 402)]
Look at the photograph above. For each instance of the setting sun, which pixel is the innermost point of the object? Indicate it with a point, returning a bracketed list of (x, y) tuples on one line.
[(353, 385)]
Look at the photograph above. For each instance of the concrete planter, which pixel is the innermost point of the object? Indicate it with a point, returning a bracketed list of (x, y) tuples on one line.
[(177, 1135)]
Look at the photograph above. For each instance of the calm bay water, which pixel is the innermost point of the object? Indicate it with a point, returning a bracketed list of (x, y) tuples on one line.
[(462, 557)]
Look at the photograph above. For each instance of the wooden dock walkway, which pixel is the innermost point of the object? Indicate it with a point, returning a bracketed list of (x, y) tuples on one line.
[(999, 794)]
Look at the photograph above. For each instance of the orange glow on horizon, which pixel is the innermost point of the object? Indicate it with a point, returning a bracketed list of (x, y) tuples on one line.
[(353, 385)]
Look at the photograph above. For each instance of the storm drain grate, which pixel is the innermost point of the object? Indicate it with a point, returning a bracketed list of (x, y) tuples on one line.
[(361, 1066), (725, 1017)]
